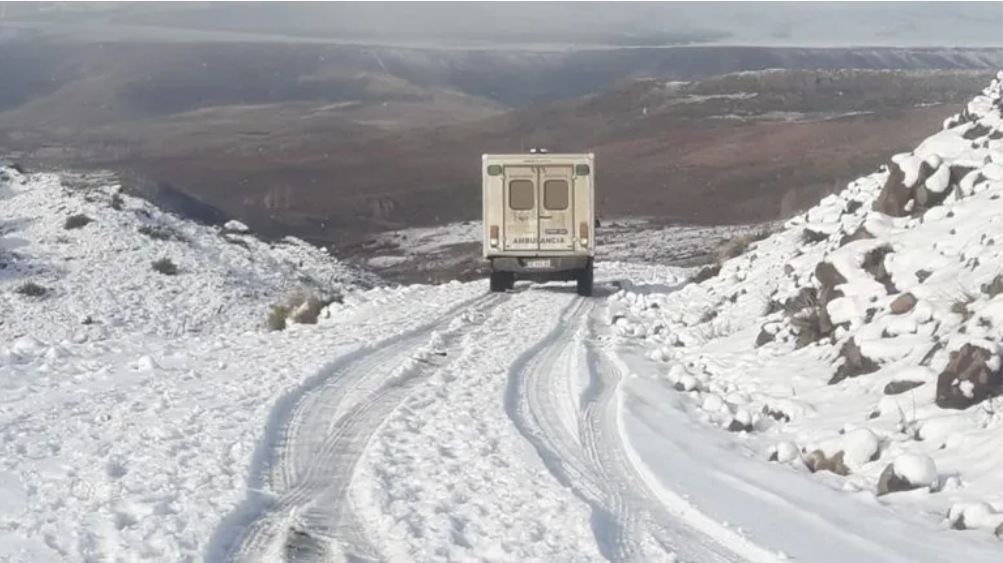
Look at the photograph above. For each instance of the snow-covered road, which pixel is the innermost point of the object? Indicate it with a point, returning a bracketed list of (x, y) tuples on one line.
[(513, 427), (492, 431)]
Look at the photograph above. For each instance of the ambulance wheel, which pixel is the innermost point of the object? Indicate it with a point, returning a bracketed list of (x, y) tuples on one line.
[(585, 281), (502, 281)]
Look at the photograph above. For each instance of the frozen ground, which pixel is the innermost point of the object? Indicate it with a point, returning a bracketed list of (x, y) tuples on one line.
[(146, 416)]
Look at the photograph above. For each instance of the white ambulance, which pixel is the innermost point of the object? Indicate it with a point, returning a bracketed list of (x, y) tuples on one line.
[(539, 218)]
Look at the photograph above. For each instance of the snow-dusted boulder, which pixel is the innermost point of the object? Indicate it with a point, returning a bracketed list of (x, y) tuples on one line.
[(974, 515), (860, 446), (784, 452), (916, 184), (686, 383), (903, 304), (741, 421), (904, 172), (767, 333), (972, 375), (907, 472), (828, 277), (146, 363)]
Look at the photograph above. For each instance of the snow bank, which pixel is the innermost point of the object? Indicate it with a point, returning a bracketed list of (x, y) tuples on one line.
[(869, 329)]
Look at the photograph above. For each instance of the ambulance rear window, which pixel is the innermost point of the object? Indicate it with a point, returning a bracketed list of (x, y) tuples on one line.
[(520, 195), (555, 195)]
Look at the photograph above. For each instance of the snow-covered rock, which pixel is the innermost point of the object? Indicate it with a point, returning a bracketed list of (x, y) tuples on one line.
[(974, 515), (908, 471), (785, 452), (860, 446), (973, 374)]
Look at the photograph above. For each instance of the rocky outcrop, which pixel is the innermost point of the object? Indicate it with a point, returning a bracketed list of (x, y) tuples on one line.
[(811, 236), (957, 174), (874, 264), (993, 288), (828, 278), (901, 386), (894, 194), (855, 363), (972, 375), (861, 233), (765, 336), (924, 185)]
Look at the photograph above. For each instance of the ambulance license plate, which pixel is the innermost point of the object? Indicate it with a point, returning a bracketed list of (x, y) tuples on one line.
[(539, 263)]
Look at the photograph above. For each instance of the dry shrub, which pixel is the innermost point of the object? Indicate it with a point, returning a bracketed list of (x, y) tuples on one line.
[(161, 232), (804, 312), (277, 317), (31, 289), (706, 273), (308, 310), (737, 245), (165, 266), (302, 307)]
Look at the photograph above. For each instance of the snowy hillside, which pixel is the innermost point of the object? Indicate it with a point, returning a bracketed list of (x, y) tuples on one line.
[(863, 342), (76, 261), (130, 398)]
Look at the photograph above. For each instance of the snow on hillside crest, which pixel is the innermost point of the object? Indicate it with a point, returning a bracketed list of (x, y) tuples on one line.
[(90, 250), (869, 330)]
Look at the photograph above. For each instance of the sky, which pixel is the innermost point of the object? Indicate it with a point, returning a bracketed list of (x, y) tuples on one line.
[(515, 24)]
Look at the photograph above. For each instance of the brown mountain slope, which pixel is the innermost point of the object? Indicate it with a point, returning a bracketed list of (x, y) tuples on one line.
[(741, 148)]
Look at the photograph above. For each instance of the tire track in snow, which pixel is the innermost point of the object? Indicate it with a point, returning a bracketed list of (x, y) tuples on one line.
[(534, 404), (695, 536), (314, 438), (449, 478), (629, 521), (606, 445)]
